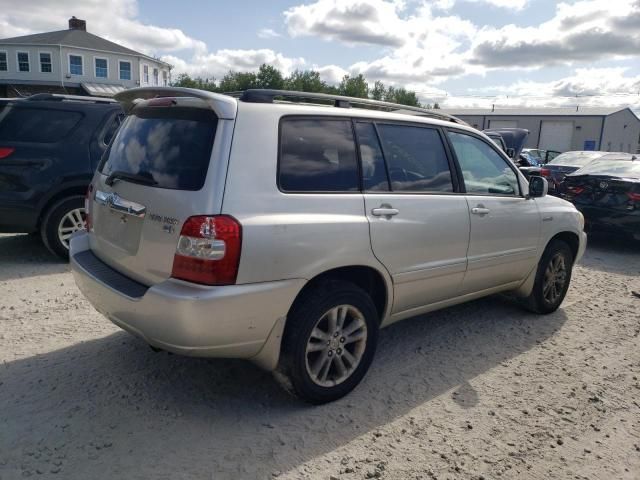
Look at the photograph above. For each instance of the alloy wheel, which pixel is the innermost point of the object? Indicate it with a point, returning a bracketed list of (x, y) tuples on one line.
[(555, 277), (70, 223), (336, 345)]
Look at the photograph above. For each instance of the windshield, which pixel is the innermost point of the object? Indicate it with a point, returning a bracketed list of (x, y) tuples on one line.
[(577, 159), (614, 168), (171, 146)]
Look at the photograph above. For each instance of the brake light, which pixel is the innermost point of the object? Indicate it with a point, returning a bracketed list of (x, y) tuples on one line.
[(6, 151), (575, 190), (87, 218), (545, 172), (633, 196), (208, 250)]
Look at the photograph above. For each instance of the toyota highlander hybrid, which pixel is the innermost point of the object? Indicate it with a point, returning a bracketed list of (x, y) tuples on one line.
[(287, 228)]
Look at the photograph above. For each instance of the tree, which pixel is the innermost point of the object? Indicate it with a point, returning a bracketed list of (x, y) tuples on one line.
[(237, 81), (436, 106), (305, 81), (402, 96), (354, 86), (269, 77), (378, 91)]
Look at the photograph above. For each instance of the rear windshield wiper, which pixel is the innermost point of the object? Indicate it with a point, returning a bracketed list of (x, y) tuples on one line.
[(143, 179)]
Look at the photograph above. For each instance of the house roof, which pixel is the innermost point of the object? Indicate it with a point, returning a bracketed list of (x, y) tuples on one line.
[(72, 38), (571, 112)]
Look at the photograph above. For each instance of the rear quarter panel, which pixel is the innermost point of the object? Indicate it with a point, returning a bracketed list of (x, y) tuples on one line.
[(288, 235)]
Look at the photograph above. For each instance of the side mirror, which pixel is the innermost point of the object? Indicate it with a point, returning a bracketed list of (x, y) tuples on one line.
[(538, 186), (511, 152)]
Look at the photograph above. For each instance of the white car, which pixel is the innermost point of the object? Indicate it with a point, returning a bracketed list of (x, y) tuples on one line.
[(288, 233)]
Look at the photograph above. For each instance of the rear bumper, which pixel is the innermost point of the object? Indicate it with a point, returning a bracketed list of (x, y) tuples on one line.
[(627, 222), (233, 321)]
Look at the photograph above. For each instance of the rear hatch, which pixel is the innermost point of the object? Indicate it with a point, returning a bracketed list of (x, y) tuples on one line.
[(168, 162)]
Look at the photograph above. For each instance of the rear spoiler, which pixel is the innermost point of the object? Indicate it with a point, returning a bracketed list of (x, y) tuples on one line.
[(224, 105)]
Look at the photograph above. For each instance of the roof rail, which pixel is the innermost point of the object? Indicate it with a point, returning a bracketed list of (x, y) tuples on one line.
[(59, 97), (340, 101)]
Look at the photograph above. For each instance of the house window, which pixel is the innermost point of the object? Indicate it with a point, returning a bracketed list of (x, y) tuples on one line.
[(23, 62), (125, 70), (75, 64), (164, 78), (45, 62), (155, 76), (102, 68), (145, 74), (3, 62)]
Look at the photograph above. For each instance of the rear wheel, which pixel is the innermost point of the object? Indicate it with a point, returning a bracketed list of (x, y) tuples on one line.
[(329, 342), (552, 278), (61, 221)]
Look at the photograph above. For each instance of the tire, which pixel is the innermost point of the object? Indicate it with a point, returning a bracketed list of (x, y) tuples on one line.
[(312, 313), (546, 299), (52, 220)]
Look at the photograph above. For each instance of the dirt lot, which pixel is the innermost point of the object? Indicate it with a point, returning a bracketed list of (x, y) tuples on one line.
[(483, 390)]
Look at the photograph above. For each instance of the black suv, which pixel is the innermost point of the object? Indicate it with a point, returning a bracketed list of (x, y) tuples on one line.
[(50, 146)]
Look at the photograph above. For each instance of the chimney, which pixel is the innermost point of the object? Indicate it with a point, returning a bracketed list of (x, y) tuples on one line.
[(77, 24)]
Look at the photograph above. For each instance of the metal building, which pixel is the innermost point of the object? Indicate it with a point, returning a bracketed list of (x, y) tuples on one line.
[(563, 129)]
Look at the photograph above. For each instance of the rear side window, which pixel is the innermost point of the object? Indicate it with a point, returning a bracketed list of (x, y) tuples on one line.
[(317, 155), (169, 145), (416, 159), (36, 125)]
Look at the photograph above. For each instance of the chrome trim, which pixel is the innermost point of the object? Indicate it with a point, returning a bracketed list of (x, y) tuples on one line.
[(119, 204)]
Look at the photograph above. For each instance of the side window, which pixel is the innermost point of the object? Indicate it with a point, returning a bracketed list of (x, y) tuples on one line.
[(114, 124), (416, 159), (484, 171), (374, 173), (317, 155), (37, 125)]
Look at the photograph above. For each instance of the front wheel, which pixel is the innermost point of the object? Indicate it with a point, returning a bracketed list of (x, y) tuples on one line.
[(552, 278), (329, 342)]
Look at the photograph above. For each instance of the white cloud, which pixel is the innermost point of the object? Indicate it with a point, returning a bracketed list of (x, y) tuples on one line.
[(585, 87), (582, 31), (218, 63), (113, 19), (267, 33), (331, 73)]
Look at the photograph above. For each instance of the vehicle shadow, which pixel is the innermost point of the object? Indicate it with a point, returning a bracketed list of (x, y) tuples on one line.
[(25, 256), (111, 408), (612, 254)]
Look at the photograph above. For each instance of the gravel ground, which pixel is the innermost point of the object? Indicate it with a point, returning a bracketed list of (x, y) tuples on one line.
[(482, 390)]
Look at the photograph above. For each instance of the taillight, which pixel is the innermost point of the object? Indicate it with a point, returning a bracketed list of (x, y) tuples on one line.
[(545, 172), (633, 196), (87, 198), (6, 151), (575, 190), (208, 250)]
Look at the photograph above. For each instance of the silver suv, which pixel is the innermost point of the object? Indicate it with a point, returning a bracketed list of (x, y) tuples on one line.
[(269, 228)]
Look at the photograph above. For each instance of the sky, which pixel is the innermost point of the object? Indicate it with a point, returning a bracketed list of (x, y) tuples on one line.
[(471, 53)]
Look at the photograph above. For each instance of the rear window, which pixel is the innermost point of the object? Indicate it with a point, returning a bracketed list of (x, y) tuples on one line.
[(36, 125), (170, 145), (317, 155)]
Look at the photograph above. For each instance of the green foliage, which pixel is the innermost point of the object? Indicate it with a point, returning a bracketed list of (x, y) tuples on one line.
[(301, 81)]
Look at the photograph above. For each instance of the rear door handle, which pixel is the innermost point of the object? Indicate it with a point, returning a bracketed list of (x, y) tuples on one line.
[(480, 210), (385, 211)]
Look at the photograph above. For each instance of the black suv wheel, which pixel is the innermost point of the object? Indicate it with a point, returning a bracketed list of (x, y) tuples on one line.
[(61, 221)]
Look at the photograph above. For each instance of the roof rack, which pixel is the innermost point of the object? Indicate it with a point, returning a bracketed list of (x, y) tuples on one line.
[(39, 97), (339, 101)]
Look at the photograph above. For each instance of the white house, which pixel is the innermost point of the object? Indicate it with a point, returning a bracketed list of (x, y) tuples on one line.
[(74, 61)]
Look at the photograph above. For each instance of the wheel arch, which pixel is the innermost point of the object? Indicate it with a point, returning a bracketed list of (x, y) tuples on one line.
[(570, 238), (70, 190)]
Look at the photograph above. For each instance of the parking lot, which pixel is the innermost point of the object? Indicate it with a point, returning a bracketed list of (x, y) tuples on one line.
[(482, 390)]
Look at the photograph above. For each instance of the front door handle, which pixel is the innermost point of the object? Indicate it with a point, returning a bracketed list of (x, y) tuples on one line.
[(385, 211), (480, 210)]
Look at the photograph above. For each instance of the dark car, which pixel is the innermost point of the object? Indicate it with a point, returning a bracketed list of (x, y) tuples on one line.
[(569, 162), (608, 195), (50, 146)]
